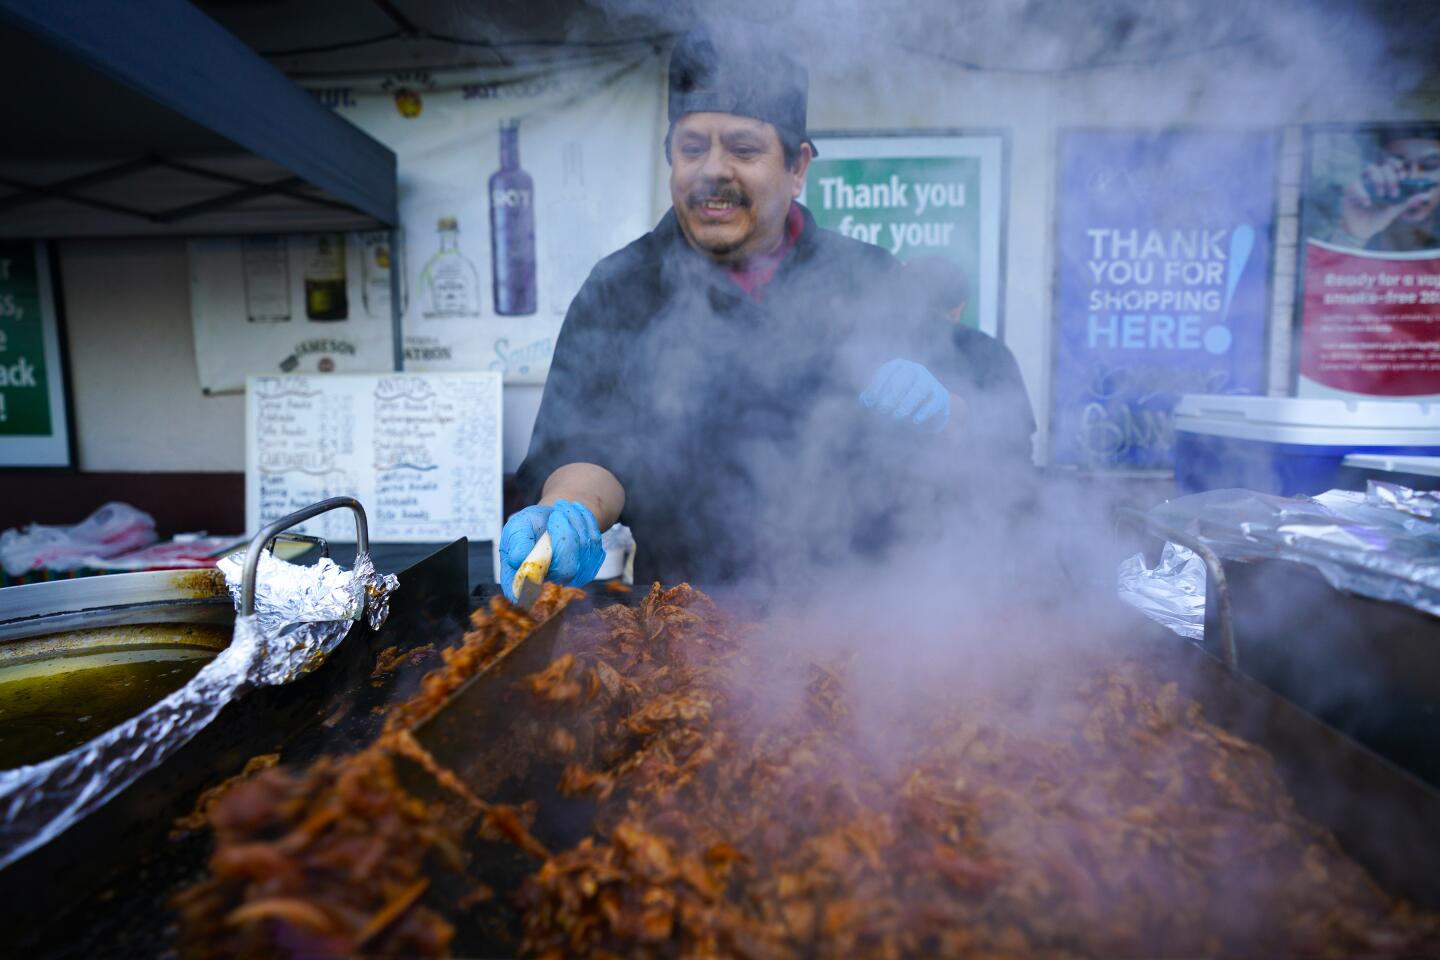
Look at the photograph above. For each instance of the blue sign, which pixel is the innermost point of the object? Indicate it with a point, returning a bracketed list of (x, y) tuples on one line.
[(1164, 252)]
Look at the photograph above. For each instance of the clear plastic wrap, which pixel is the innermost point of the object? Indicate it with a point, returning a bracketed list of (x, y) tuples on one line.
[(301, 614), (1368, 544)]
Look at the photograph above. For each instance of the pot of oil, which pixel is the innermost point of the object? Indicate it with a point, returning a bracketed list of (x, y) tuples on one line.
[(79, 656)]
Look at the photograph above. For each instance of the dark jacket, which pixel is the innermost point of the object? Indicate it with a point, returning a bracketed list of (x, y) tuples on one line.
[(735, 426)]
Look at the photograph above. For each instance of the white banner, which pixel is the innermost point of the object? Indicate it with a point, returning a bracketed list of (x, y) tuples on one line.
[(497, 245), (514, 183)]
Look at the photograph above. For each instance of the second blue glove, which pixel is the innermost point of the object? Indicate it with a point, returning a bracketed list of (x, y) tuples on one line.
[(907, 392), (574, 541)]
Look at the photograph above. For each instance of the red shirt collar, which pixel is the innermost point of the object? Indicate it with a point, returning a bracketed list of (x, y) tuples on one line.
[(752, 275)]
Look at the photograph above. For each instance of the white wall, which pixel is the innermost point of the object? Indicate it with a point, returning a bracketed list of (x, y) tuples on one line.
[(138, 405), (522, 402), (137, 398)]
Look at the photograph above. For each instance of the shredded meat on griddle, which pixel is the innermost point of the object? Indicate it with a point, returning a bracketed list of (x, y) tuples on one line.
[(1121, 823), (199, 817), (392, 658)]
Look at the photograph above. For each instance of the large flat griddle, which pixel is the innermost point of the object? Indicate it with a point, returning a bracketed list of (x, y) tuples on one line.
[(1383, 817)]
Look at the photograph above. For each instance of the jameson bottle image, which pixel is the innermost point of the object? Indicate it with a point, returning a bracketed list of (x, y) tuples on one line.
[(266, 265), (512, 228), (375, 268), (450, 284), (325, 278)]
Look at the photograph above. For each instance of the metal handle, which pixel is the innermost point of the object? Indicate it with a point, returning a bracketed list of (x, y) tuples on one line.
[(1213, 569), (257, 542)]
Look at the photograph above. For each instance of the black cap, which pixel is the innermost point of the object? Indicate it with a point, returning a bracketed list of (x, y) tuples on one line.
[(740, 72)]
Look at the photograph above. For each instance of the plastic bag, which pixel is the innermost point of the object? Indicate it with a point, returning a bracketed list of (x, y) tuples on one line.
[(113, 529), (187, 551), (619, 544), (1171, 593)]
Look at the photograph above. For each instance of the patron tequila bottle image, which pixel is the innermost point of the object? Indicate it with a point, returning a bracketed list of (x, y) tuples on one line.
[(379, 262), (449, 282), (512, 228), (266, 265), (325, 297)]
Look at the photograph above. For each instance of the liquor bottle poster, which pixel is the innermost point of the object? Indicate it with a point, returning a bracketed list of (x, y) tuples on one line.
[(920, 194), (34, 415), (514, 183), (1368, 297), (299, 303), (1164, 246)]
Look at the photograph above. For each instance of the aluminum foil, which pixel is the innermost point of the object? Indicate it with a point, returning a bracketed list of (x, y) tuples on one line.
[(42, 800), (1359, 542), (378, 590), (1417, 503), (1171, 593), (301, 614), (304, 612)]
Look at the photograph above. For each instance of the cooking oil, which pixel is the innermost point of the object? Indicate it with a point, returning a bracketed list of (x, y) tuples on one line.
[(60, 691)]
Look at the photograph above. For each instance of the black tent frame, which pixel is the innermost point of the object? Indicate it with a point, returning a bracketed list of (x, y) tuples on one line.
[(172, 54)]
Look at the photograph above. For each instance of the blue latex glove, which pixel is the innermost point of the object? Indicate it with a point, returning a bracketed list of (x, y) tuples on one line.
[(576, 553), (906, 392)]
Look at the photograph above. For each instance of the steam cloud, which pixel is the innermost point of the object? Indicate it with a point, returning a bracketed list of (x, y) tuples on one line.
[(971, 578), (968, 538)]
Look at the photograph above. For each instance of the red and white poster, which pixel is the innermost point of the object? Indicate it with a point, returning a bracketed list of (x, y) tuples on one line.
[(1369, 320)]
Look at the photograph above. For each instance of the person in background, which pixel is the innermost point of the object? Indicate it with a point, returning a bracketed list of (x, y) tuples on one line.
[(949, 286), (749, 393), (991, 367), (1392, 205)]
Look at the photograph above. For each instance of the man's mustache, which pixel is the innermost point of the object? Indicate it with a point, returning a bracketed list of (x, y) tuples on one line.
[(725, 193)]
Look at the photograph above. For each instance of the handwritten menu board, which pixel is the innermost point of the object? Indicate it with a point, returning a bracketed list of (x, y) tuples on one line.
[(421, 452)]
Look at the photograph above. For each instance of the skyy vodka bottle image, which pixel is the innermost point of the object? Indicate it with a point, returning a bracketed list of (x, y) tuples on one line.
[(450, 283), (512, 228), (325, 297), (266, 266)]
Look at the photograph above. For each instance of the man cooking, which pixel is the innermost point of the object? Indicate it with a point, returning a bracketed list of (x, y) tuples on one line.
[(753, 395)]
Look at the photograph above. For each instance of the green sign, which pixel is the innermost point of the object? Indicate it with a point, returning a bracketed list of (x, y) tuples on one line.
[(911, 206), (24, 384)]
